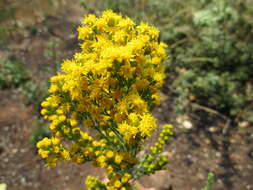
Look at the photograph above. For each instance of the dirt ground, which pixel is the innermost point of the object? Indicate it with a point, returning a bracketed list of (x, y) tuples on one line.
[(197, 147)]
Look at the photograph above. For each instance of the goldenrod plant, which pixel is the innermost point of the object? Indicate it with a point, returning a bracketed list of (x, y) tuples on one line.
[(110, 88)]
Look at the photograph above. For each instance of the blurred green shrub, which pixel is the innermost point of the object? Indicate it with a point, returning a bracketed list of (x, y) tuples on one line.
[(39, 132), (34, 93), (6, 10), (214, 65), (7, 14), (211, 48), (12, 73)]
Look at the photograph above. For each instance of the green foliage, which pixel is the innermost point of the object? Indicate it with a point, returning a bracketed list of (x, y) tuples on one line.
[(214, 66), (7, 14), (211, 50), (12, 73), (39, 132), (210, 182), (83, 4), (6, 11), (34, 93)]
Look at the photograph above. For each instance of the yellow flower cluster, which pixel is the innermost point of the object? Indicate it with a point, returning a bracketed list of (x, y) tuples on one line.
[(111, 86), (93, 183)]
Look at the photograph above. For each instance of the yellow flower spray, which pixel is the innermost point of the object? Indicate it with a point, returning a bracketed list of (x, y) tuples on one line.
[(111, 86)]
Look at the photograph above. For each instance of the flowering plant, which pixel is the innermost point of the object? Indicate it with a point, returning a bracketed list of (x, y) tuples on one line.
[(110, 87)]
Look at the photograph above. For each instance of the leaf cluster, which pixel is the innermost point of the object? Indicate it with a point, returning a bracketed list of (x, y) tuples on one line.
[(214, 65), (12, 73)]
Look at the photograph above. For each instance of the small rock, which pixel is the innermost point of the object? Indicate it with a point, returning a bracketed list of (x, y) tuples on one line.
[(180, 119), (3, 186), (212, 129), (15, 150), (22, 150), (207, 141), (189, 156), (243, 124), (187, 124), (71, 36), (218, 154), (23, 181)]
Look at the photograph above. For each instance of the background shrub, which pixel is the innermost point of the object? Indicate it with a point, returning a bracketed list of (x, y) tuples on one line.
[(12, 73), (7, 21), (215, 64)]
